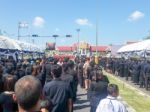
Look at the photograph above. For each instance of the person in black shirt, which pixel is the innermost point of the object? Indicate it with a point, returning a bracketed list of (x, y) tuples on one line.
[(73, 73), (1, 84), (58, 92), (1, 78), (97, 90), (80, 73), (147, 74), (141, 77), (47, 69), (6, 98), (19, 72)]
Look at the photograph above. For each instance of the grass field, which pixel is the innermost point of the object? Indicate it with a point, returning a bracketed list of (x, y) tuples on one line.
[(134, 98)]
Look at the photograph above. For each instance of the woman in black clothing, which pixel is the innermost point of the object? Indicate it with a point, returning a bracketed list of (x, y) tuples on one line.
[(37, 72), (1, 83), (6, 97), (97, 90), (1, 78)]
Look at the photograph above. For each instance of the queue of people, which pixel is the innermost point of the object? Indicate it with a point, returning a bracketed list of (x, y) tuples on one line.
[(137, 69), (50, 84)]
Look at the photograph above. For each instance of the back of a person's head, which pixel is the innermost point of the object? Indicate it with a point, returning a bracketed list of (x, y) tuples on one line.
[(99, 75), (9, 69), (28, 91), (112, 89), (66, 59), (55, 60), (56, 70), (92, 64), (65, 67), (19, 65), (70, 63), (9, 83), (1, 70), (36, 70)]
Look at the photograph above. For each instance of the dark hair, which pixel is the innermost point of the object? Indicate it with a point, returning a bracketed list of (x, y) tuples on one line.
[(36, 70), (19, 65), (92, 64), (97, 75), (66, 59), (70, 63), (56, 70), (65, 67), (1, 70), (112, 88), (55, 60), (9, 83), (28, 91)]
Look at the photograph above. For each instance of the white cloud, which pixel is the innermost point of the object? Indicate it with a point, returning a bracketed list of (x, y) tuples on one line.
[(57, 29), (38, 22), (135, 16), (83, 22)]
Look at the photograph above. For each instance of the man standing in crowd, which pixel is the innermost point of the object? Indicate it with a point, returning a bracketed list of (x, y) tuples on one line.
[(97, 90), (47, 71), (85, 74), (147, 74), (28, 94), (111, 103), (58, 92), (80, 73)]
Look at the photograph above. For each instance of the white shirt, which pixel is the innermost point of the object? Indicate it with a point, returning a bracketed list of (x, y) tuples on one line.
[(110, 104)]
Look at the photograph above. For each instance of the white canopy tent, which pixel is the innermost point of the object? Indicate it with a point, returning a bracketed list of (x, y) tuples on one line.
[(7, 43), (139, 46)]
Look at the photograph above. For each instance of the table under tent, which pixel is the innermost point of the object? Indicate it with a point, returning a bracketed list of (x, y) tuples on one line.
[(18, 49), (140, 50)]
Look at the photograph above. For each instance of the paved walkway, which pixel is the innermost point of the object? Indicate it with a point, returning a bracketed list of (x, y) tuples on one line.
[(82, 104)]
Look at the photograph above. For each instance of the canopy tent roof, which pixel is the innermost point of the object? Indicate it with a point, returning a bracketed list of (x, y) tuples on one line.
[(139, 46), (7, 43)]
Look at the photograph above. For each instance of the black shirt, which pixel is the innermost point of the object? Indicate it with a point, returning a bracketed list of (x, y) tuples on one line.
[(97, 91), (58, 92), (8, 103), (48, 72)]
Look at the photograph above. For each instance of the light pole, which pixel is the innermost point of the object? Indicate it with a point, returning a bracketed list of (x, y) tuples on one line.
[(96, 37), (78, 50), (19, 30), (21, 25), (55, 36)]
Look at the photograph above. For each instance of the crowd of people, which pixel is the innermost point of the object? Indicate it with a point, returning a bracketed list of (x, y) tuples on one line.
[(50, 85), (137, 69)]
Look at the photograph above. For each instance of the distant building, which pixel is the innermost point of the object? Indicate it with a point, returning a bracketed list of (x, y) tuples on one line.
[(84, 49)]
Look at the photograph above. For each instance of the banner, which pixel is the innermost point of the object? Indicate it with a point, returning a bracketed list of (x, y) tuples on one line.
[(50, 46)]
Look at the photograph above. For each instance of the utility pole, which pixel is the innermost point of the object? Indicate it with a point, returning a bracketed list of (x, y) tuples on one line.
[(78, 49), (19, 30), (21, 25), (96, 37)]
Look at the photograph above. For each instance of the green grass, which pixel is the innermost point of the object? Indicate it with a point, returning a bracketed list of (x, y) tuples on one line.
[(137, 101)]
